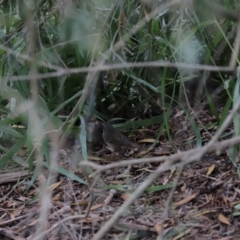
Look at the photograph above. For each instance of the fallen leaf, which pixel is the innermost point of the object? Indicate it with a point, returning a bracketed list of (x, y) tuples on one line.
[(202, 213), (223, 219), (185, 200), (142, 153), (158, 228), (147, 140), (117, 182), (125, 196), (15, 213), (182, 234), (56, 197), (234, 203), (80, 203), (96, 158), (54, 186), (179, 114), (225, 200), (210, 170), (96, 206)]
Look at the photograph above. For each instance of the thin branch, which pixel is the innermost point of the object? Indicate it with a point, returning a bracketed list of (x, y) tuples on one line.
[(126, 65), (12, 220), (59, 223), (235, 52), (29, 59), (217, 147)]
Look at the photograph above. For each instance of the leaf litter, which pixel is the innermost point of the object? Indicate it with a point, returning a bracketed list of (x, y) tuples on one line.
[(204, 203)]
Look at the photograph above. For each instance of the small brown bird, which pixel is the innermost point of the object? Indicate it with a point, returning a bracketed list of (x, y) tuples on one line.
[(100, 132), (95, 131), (115, 140)]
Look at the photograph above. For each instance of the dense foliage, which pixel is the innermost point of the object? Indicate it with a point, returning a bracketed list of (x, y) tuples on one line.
[(44, 45)]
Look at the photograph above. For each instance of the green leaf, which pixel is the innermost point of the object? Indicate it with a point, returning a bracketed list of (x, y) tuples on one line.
[(139, 123), (83, 138), (143, 82), (19, 144), (237, 206), (71, 175), (236, 214), (152, 189), (67, 173), (9, 130)]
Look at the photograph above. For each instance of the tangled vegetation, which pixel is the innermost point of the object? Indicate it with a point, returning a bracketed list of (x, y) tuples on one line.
[(136, 64)]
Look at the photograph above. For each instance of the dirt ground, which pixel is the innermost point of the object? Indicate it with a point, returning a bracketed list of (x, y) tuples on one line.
[(201, 200)]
